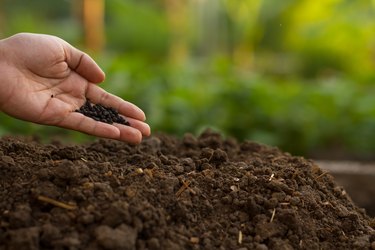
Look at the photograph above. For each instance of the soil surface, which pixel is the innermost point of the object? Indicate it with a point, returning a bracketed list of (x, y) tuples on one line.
[(204, 192), (358, 180)]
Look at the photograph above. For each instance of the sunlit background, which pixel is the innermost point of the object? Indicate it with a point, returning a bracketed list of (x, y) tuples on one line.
[(297, 74)]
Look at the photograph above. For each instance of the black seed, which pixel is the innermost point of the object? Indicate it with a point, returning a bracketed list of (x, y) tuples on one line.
[(101, 113)]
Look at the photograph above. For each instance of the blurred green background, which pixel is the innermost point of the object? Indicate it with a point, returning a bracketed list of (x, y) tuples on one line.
[(297, 74)]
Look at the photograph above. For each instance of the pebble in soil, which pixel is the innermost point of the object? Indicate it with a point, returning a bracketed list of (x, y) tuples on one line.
[(99, 112)]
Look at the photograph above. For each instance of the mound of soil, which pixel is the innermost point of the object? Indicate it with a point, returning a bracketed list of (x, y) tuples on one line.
[(202, 192)]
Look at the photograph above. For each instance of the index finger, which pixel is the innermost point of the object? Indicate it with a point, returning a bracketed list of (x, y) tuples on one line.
[(79, 122), (83, 64), (128, 109)]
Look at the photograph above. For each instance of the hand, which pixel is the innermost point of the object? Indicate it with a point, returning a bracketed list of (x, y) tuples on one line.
[(43, 79)]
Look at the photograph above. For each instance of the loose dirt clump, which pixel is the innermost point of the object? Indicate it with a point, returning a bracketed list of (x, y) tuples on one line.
[(202, 192)]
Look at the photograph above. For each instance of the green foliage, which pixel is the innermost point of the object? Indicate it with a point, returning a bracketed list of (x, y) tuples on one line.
[(134, 26), (301, 117)]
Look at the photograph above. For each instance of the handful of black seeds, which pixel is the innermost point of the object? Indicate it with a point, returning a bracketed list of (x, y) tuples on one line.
[(99, 112)]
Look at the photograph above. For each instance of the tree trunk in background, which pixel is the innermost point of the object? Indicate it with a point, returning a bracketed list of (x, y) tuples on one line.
[(210, 27), (244, 18), (177, 22), (76, 10), (93, 24)]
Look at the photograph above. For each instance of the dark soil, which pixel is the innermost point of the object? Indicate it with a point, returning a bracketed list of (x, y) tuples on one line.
[(99, 112), (167, 193)]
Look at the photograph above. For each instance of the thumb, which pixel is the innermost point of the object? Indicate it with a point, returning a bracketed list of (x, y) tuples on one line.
[(83, 64)]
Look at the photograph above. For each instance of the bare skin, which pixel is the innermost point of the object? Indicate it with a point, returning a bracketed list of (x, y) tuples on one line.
[(44, 80)]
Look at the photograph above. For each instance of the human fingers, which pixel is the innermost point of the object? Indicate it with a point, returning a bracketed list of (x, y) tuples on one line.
[(127, 109), (143, 127), (83, 64), (81, 123), (135, 133)]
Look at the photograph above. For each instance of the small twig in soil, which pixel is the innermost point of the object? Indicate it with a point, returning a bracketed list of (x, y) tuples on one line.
[(185, 185), (320, 176), (149, 172), (273, 214), (343, 234), (33, 178), (240, 236), (327, 203), (91, 179), (56, 161), (55, 202), (270, 179)]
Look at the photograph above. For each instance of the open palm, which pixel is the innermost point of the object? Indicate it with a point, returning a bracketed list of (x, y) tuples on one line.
[(44, 80)]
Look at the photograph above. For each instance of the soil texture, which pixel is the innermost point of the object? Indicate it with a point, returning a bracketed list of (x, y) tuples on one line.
[(205, 192)]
